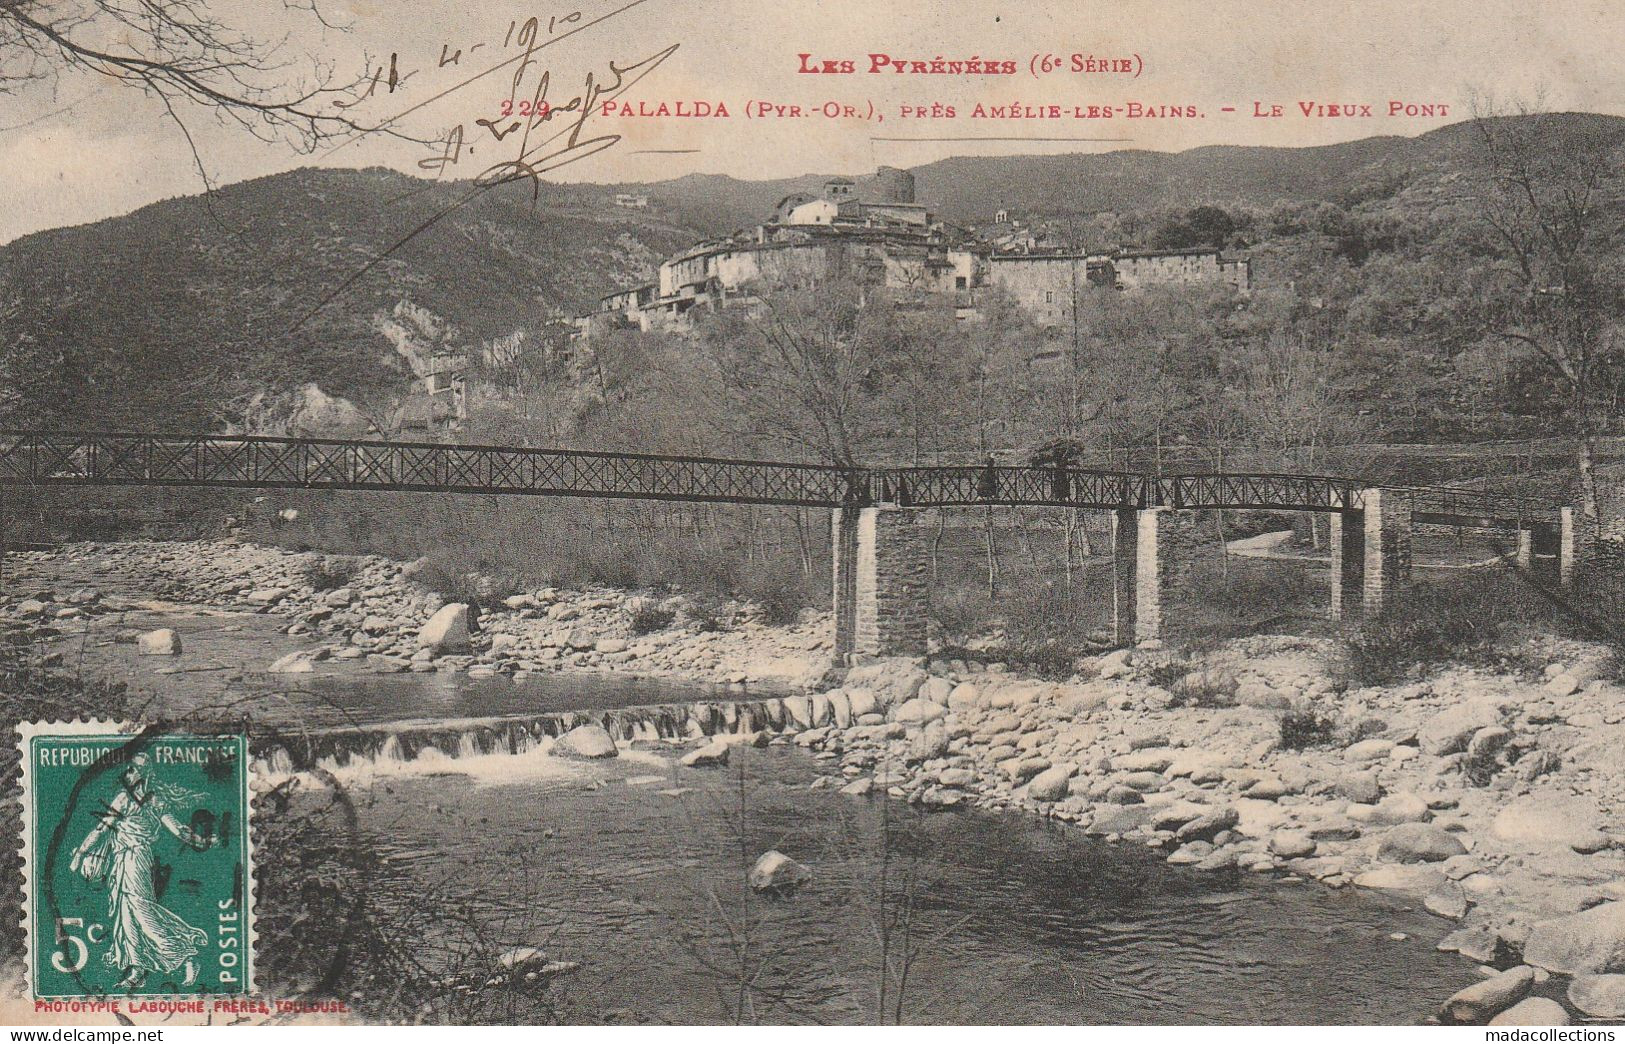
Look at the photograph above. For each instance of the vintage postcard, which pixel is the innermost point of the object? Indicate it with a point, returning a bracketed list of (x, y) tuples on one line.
[(701, 512)]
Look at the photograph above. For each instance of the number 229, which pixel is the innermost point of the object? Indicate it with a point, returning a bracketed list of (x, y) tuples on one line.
[(526, 107)]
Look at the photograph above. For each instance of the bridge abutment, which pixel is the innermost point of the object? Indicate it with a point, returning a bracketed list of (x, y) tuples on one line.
[(879, 583)]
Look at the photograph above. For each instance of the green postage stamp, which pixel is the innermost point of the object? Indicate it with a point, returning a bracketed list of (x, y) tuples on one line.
[(136, 851)]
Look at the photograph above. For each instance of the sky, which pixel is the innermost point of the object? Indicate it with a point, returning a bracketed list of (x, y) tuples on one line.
[(78, 148)]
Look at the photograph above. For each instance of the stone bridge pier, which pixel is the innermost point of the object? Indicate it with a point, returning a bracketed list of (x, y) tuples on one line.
[(880, 581), (1370, 552), (880, 576), (880, 567)]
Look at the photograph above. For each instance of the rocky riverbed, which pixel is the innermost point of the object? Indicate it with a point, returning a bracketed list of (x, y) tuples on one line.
[(380, 617), (1492, 799)]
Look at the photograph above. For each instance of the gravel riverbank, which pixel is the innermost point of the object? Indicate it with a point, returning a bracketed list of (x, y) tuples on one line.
[(378, 615)]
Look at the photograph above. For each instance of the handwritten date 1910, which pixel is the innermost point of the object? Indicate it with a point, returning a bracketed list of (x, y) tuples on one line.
[(536, 157)]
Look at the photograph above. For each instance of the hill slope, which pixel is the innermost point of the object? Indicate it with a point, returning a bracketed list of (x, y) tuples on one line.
[(158, 318), (970, 189), (176, 315)]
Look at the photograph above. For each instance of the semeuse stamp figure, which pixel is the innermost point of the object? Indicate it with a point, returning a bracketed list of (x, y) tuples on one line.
[(137, 851), (144, 935)]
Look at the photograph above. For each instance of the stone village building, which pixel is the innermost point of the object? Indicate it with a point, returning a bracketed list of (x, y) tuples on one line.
[(893, 241)]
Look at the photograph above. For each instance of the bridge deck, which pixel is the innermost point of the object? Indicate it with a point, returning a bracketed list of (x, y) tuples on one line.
[(254, 461)]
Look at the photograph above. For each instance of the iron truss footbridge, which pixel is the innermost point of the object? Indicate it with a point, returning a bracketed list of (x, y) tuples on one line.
[(48, 458)]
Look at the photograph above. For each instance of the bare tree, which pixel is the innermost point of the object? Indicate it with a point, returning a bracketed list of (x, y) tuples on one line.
[(181, 53), (1548, 194), (806, 367), (1285, 405)]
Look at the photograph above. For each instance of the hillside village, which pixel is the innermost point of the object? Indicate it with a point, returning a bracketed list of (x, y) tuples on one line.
[(891, 240)]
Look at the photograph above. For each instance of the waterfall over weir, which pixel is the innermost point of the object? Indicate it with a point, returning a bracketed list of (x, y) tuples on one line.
[(399, 743)]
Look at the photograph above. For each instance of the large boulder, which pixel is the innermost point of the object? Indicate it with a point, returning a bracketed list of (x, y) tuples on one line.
[(861, 702), (963, 697), (447, 630), (1415, 878), (1199, 766), (1261, 696), (919, 712), (713, 753), (1482, 1001), (1119, 819), (586, 742), (1359, 787), (1075, 700), (1544, 821), (1292, 844), (1419, 843), (300, 662), (1051, 784), (930, 742), (1206, 828), (800, 710), (1533, 1011), (162, 642), (1368, 750), (1600, 996), (1487, 743), (1152, 760), (1391, 811), (1591, 942), (936, 690), (778, 874), (1479, 942), (891, 681), (1448, 901), (1017, 695), (1449, 731)]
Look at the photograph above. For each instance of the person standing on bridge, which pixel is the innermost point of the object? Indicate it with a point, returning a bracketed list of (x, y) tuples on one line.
[(987, 483), (1060, 484)]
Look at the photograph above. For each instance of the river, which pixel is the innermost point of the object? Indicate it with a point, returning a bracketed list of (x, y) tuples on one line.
[(1019, 921), (634, 867)]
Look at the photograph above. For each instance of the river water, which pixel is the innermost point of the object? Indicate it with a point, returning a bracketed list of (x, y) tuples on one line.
[(635, 868), (636, 871)]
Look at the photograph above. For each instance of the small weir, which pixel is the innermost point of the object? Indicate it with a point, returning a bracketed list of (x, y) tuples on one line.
[(398, 743)]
